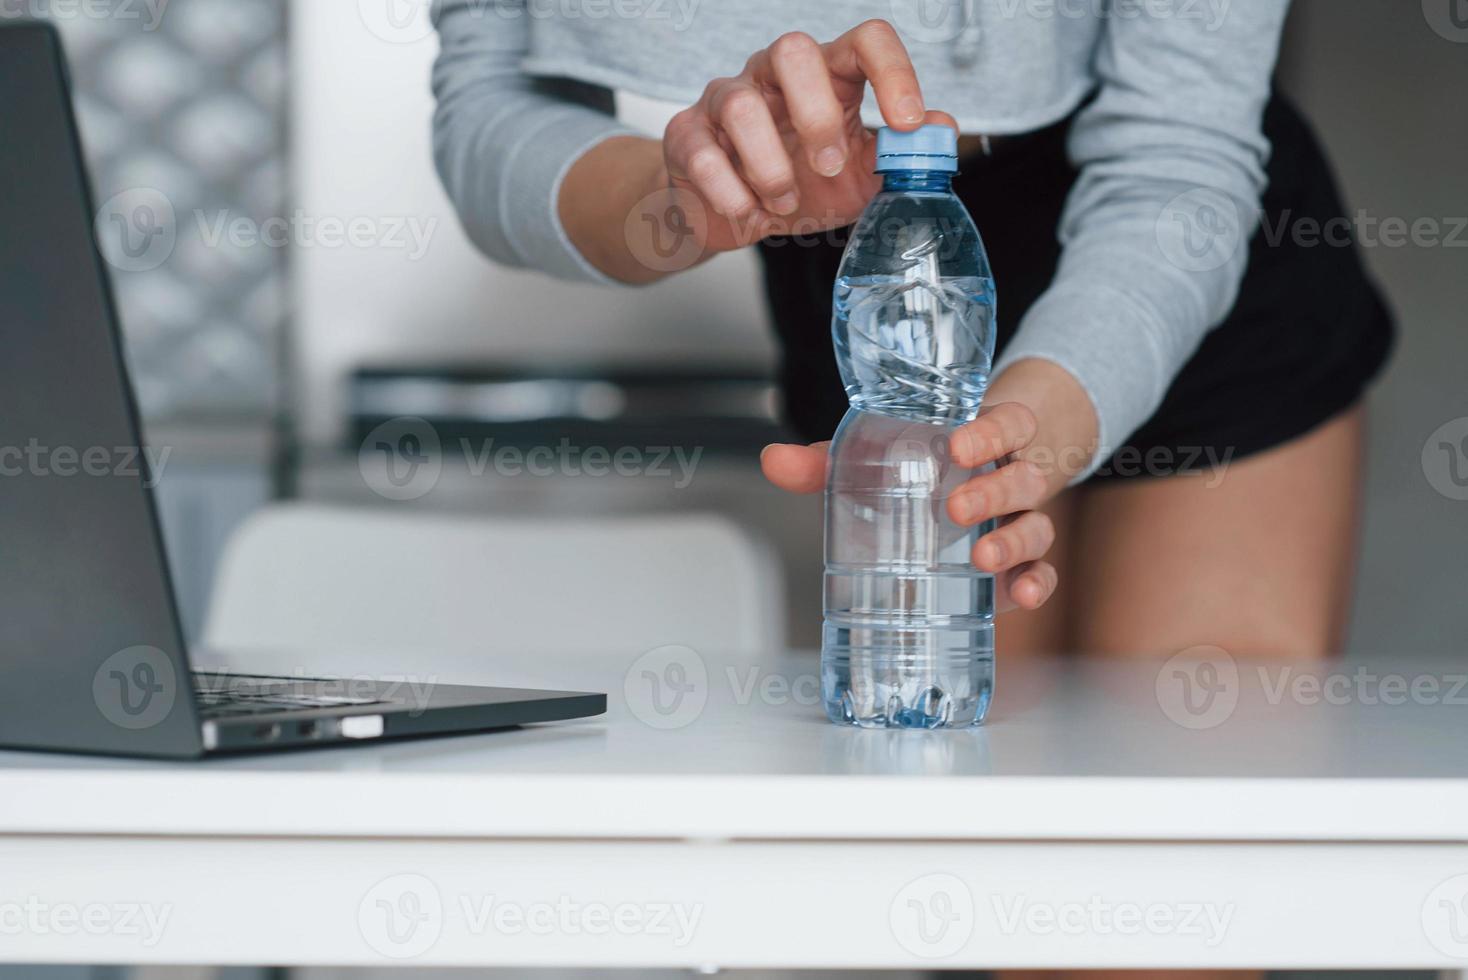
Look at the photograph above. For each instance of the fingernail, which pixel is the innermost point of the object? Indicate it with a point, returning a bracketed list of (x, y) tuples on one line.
[(958, 447), (830, 161), (965, 509), (785, 203), (996, 554), (910, 108)]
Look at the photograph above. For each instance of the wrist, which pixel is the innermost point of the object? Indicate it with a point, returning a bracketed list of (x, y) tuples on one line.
[(613, 208), (1067, 425)]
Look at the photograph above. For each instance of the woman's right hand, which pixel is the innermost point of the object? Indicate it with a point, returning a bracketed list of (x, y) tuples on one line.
[(781, 145), (777, 149)]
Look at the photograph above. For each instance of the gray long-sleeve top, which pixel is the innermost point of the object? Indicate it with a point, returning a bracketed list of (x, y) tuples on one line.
[(1170, 151)]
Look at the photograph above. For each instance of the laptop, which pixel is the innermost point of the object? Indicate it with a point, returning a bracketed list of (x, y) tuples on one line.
[(92, 655)]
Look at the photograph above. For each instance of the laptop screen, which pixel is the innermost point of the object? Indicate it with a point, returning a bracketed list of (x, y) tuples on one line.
[(90, 649)]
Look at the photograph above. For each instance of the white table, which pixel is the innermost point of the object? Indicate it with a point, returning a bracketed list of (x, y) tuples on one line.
[(1094, 822)]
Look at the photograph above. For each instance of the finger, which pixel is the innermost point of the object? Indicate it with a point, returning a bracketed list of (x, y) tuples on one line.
[(1024, 539), (798, 469), (1006, 428), (872, 52), (796, 64), (1030, 586), (693, 154), (741, 112), (937, 117), (1008, 490)]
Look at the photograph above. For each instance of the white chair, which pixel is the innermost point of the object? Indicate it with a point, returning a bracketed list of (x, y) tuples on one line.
[(349, 590)]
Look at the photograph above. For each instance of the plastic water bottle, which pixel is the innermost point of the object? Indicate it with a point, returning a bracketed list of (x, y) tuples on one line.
[(908, 640)]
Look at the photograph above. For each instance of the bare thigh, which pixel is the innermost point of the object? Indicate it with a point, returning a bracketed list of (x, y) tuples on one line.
[(1259, 563), (1257, 560), (1046, 630)]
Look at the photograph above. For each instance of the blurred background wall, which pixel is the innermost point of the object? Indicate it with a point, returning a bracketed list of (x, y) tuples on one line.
[(264, 358), (1382, 81)]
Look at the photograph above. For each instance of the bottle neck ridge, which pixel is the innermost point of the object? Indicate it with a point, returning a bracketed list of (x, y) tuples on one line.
[(939, 181)]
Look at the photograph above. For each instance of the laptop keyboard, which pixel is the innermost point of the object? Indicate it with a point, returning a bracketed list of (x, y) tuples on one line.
[(229, 695)]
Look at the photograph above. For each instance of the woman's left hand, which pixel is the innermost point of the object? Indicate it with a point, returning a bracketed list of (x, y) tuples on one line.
[(1036, 450)]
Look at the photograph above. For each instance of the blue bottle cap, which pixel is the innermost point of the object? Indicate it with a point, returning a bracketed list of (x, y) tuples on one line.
[(930, 147)]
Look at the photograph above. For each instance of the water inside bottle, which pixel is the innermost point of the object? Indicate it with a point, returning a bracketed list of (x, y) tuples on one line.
[(908, 636), (917, 347)]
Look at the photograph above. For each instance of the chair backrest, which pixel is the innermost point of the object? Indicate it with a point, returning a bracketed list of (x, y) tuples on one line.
[(345, 591)]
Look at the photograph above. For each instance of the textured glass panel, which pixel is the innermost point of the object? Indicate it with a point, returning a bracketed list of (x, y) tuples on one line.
[(182, 111)]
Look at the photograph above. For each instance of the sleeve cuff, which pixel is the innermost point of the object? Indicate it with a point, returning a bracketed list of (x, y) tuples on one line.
[(544, 157), (1107, 341)]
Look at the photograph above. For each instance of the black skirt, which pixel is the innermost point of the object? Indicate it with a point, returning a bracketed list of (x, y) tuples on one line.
[(1308, 331)]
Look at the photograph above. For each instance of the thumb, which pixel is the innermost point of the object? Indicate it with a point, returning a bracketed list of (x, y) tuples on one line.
[(798, 469)]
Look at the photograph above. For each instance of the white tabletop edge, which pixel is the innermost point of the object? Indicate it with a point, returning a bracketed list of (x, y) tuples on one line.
[(198, 802)]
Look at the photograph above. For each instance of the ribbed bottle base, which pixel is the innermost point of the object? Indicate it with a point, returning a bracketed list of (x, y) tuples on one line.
[(927, 677)]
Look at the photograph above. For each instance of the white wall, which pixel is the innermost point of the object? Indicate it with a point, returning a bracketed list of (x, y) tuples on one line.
[(360, 140)]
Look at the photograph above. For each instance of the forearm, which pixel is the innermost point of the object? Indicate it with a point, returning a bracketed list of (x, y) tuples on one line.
[(617, 209), (1156, 228)]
